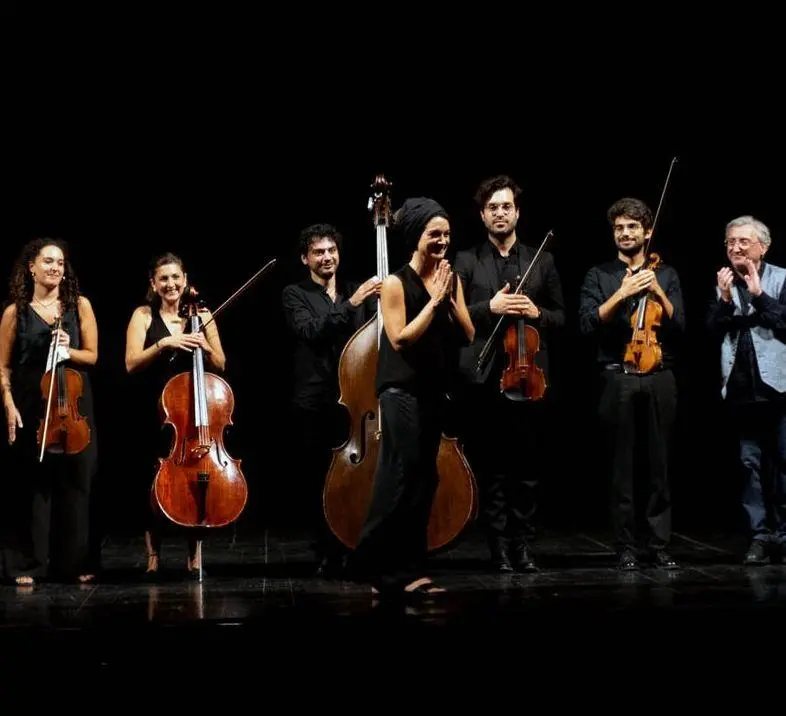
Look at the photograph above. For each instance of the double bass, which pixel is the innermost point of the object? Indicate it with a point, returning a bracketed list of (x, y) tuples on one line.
[(198, 484), (643, 352), (63, 429), (522, 379), (350, 478)]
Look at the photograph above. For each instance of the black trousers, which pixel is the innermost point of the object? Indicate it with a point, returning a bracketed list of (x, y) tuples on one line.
[(637, 414), (393, 546), (49, 517), (315, 433), (503, 441)]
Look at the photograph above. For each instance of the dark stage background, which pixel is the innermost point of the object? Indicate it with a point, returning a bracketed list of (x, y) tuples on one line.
[(227, 180)]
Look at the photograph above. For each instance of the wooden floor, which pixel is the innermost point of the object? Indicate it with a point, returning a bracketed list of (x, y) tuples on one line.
[(261, 594)]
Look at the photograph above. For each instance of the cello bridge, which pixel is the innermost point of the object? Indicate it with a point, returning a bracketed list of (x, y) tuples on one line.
[(199, 451)]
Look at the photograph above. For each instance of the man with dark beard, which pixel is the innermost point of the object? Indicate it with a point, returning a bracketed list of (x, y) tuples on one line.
[(637, 405), (504, 434)]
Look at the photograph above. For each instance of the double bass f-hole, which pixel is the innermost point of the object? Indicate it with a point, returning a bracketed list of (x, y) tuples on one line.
[(643, 353), (521, 379)]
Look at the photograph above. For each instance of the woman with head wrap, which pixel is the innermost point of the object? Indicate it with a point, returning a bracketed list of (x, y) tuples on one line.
[(425, 321)]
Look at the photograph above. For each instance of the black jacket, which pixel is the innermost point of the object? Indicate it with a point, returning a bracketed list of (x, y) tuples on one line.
[(481, 281)]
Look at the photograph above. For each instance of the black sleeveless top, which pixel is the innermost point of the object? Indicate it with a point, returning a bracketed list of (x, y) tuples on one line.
[(28, 362), (428, 366), (148, 383), (168, 363)]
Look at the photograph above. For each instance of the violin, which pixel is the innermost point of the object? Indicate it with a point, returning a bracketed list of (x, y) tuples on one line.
[(643, 352), (349, 482), (63, 429), (198, 484), (522, 379)]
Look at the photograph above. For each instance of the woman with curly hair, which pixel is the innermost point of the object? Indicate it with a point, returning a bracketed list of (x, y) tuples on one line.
[(50, 535)]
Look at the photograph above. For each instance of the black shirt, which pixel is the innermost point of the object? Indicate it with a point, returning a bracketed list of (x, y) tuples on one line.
[(612, 337), (321, 329)]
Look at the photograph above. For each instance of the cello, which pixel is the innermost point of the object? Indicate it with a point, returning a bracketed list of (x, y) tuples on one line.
[(643, 352), (64, 429), (350, 478), (198, 484), (522, 379)]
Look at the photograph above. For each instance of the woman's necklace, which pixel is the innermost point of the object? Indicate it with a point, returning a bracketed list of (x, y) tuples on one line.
[(45, 305)]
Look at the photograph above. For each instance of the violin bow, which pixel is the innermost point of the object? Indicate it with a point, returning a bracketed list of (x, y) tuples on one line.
[(660, 204), (53, 358), (257, 275), (487, 347)]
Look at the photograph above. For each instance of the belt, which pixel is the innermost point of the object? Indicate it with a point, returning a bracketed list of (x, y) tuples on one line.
[(618, 368)]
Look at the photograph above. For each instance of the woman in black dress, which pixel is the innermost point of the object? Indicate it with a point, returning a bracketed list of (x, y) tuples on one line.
[(49, 499), (158, 348)]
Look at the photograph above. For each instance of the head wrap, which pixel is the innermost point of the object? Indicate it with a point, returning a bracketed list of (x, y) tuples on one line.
[(414, 215)]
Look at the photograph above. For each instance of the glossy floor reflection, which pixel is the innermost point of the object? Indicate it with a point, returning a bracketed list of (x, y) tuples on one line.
[(260, 593)]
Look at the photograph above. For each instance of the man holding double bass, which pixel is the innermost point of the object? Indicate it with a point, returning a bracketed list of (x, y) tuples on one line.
[(638, 391), (321, 312), (504, 431)]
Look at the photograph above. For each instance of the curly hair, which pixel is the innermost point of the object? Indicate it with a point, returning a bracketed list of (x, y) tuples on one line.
[(20, 286), (635, 209), (151, 296), (315, 232)]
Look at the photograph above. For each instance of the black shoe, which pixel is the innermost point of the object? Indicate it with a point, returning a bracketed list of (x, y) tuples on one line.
[(664, 560), (522, 559), (500, 561), (757, 553), (627, 561)]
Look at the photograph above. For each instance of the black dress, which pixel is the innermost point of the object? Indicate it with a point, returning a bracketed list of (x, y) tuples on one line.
[(50, 531)]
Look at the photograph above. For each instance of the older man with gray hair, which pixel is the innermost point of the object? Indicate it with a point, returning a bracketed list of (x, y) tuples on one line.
[(748, 317)]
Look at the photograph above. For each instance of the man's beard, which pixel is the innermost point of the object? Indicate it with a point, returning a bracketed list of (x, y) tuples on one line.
[(502, 235), (631, 250)]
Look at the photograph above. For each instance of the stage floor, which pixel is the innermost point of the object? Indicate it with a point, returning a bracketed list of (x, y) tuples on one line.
[(260, 594)]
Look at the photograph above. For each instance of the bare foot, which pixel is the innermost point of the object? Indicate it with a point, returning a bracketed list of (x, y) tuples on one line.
[(25, 581), (85, 578), (424, 585), (152, 563)]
